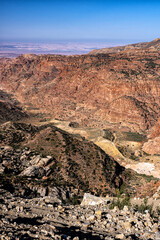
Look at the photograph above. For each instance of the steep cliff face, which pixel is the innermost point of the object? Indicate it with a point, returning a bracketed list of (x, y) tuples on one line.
[(152, 146), (94, 90), (155, 131)]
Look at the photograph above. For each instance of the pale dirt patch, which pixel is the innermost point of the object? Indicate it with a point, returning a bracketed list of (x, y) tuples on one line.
[(150, 201), (145, 168), (94, 135)]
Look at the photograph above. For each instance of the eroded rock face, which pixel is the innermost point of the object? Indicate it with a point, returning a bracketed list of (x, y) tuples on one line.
[(93, 90), (152, 146), (155, 131)]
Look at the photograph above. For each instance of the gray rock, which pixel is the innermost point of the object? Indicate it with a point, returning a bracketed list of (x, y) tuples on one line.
[(33, 171), (52, 200), (92, 200)]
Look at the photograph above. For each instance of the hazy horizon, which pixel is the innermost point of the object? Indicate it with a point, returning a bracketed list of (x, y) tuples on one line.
[(9, 48), (75, 27)]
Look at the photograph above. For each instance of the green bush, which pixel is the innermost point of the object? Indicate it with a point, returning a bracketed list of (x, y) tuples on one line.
[(120, 203)]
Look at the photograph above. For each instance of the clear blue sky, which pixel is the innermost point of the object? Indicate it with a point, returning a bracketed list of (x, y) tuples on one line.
[(80, 19)]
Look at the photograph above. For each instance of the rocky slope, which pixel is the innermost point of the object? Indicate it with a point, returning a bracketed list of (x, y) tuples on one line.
[(125, 147), (9, 108), (149, 46), (121, 88), (152, 146), (57, 158), (72, 162), (44, 218)]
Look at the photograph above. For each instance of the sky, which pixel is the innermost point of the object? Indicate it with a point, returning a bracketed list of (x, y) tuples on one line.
[(80, 19)]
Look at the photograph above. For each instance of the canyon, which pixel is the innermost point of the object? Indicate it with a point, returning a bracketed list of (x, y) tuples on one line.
[(76, 124), (121, 88)]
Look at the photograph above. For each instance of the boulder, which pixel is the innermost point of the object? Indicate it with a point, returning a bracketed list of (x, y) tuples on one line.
[(33, 171), (89, 199)]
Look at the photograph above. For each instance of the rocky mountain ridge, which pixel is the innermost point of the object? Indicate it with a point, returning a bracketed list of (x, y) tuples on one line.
[(57, 157), (152, 146), (120, 89), (149, 46)]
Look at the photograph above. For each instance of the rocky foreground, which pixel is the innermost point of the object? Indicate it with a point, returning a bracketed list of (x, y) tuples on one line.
[(34, 206), (39, 189), (47, 218)]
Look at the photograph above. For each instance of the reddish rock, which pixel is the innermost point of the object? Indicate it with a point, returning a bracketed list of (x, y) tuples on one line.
[(152, 146), (92, 90)]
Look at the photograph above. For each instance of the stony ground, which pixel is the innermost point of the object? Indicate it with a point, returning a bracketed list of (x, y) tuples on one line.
[(42, 218)]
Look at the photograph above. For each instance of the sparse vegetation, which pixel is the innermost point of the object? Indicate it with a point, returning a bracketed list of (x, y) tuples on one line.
[(142, 208), (120, 202), (131, 136), (108, 135), (149, 178), (150, 64)]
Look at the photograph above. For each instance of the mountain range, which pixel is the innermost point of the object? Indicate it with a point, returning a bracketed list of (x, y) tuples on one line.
[(109, 97)]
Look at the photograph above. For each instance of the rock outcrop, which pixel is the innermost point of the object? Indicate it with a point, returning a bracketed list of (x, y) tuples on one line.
[(91, 200), (152, 146)]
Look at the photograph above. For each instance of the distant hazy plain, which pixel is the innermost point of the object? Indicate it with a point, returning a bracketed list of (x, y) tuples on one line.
[(64, 47)]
